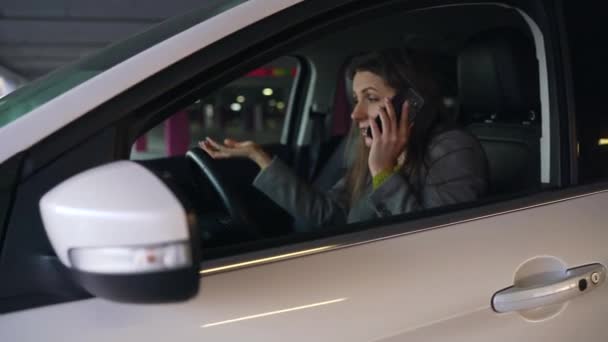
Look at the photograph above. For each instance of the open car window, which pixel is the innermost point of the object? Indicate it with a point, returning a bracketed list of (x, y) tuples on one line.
[(489, 103)]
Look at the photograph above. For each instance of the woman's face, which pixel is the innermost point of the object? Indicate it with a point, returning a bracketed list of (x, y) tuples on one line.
[(369, 91)]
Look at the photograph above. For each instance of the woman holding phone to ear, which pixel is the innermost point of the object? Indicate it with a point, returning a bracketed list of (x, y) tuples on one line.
[(400, 165)]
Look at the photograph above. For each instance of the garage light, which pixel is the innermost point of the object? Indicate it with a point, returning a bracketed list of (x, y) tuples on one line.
[(235, 107), (267, 92), (280, 105), (272, 103), (603, 141), (240, 99)]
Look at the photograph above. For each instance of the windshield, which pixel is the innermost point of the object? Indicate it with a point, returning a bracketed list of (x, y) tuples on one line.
[(31, 96)]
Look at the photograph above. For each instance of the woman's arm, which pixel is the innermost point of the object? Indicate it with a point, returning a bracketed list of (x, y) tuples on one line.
[(300, 199), (277, 181)]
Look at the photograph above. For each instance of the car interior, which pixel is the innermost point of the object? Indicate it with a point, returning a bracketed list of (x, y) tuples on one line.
[(487, 60)]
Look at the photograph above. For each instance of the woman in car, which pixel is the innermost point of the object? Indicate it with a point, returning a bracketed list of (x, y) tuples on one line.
[(403, 166)]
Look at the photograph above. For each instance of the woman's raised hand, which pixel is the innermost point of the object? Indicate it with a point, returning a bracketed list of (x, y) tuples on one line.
[(236, 149), (389, 144)]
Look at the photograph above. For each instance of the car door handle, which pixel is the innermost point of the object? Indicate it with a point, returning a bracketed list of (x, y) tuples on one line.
[(576, 281)]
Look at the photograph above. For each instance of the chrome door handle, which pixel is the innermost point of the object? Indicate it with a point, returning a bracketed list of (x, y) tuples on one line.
[(576, 281)]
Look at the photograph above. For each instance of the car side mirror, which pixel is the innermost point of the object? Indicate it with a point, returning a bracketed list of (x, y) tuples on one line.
[(124, 234)]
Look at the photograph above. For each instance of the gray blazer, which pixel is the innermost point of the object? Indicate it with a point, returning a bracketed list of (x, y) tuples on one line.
[(455, 171)]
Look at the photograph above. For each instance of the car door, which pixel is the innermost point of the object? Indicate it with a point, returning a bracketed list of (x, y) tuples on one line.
[(390, 285), (429, 277)]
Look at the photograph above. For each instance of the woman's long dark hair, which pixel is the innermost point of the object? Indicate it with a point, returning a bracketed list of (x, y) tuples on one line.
[(400, 69)]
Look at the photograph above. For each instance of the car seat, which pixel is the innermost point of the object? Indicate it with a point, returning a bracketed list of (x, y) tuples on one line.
[(498, 85)]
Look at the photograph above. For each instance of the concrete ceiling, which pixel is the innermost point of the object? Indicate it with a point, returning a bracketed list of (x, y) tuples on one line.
[(37, 36)]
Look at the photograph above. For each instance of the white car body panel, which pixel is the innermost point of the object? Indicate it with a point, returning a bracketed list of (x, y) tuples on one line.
[(402, 288), (69, 106)]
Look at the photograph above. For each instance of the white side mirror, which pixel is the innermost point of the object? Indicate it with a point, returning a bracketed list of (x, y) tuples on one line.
[(123, 233)]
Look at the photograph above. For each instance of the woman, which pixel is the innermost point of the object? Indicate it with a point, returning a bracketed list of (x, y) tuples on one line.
[(401, 168)]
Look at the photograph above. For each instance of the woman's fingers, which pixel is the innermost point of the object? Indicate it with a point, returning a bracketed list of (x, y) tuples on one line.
[(375, 129), (230, 142), (230, 148), (214, 144), (233, 143), (405, 119), (211, 150), (385, 122), (214, 149), (391, 125), (206, 146)]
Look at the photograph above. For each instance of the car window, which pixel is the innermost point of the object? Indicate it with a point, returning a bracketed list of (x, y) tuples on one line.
[(589, 71), (252, 107), (31, 96), (490, 107)]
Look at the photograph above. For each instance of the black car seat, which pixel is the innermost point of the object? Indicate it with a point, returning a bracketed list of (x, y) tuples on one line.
[(498, 85)]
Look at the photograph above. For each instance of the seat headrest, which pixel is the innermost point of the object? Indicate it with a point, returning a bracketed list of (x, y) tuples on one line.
[(498, 77)]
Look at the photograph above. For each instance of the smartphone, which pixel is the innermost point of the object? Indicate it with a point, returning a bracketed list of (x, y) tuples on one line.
[(415, 100)]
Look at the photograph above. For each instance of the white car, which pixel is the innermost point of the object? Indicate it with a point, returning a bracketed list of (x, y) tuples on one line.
[(103, 238)]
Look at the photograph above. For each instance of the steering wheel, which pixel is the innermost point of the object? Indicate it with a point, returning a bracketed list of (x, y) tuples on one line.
[(230, 199)]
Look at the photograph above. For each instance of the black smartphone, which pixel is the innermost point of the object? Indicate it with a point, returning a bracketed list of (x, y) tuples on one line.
[(416, 102)]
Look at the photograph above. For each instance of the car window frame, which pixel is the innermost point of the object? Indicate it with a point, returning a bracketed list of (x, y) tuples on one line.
[(9, 172), (554, 123)]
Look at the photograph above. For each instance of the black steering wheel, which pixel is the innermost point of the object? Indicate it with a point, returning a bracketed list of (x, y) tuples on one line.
[(235, 207)]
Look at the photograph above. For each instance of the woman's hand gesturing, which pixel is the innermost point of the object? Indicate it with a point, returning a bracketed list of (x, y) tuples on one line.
[(389, 144), (236, 149)]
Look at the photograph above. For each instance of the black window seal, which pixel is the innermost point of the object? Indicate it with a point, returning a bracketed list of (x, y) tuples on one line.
[(568, 86), (9, 171)]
